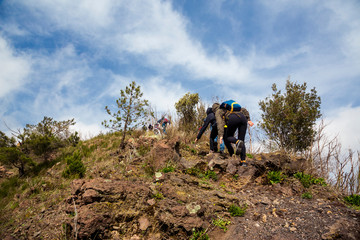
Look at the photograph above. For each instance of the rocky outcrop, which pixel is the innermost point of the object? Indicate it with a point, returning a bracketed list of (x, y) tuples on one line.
[(195, 197)]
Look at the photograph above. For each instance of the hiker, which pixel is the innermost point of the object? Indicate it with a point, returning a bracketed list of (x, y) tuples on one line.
[(210, 119), (231, 117), (164, 122), (222, 145)]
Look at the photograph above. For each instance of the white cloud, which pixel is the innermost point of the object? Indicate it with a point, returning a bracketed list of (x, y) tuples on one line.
[(163, 94), (14, 69), (344, 123), (150, 29)]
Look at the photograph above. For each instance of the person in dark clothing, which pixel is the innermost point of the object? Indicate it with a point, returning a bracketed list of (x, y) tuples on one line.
[(209, 120), (164, 122), (228, 123)]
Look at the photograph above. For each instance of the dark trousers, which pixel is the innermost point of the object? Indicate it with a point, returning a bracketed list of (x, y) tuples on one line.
[(213, 135), (237, 121)]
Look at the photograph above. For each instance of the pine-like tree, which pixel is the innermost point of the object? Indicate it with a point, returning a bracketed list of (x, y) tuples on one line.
[(131, 111)]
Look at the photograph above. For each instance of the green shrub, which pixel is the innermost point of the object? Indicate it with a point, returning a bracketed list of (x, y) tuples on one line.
[(158, 195), (275, 177), (194, 172), (307, 195), (236, 211), (8, 187), (211, 174), (307, 180), (199, 235), (221, 223), (169, 168), (201, 174), (75, 167), (353, 199)]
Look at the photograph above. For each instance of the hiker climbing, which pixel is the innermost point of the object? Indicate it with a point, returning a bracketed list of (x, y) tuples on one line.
[(163, 121), (231, 117), (209, 120)]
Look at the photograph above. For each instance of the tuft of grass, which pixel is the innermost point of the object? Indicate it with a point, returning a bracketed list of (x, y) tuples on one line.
[(169, 168), (353, 199), (275, 177), (307, 180), (211, 175), (221, 223), (201, 174), (307, 195), (158, 195), (199, 235), (236, 211), (249, 155)]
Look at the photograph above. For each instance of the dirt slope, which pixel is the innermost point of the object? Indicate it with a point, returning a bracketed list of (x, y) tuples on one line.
[(195, 195)]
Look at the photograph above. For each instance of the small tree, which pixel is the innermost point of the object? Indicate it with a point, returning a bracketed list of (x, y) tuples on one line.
[(186, 109), (131, 112), (12, 156), (288, 119), (46, 136)]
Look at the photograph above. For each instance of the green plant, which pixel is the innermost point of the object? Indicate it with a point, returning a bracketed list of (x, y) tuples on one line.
[(211, 175), (288, 119), (170, 167), (275, 177), (249, 155), (199, 235), (9, 186), (131, 111), (75, 167), (235, 177), (194, 172), (187, 112), (237, 211), (307, 195), (221, 223), (353, 199), (158, 195), (307, 180)]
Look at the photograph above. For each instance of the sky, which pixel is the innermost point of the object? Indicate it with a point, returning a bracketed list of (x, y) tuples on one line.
[(69, 59)]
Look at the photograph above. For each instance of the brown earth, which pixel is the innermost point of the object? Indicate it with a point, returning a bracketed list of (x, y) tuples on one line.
[(174, 204)]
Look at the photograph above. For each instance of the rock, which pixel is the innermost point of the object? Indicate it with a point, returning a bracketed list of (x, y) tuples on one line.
[(264, 218), (151, 202), (218, 163), (144, 223), (90, 196), (162, 152), (231, 168), (193, 208)]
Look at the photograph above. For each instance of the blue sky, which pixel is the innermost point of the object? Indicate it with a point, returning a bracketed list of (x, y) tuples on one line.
[(69, 59)]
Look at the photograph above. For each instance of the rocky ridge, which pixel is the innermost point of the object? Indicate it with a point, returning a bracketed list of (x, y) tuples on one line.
[(184, 200)]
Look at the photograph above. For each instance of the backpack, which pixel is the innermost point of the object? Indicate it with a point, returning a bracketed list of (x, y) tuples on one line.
[(231, 106)]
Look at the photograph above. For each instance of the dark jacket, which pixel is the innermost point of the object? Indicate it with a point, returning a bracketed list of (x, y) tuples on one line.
[(210, 119), (220, 117)]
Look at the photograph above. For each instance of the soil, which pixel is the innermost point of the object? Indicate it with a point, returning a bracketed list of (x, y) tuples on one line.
[(196, 196)]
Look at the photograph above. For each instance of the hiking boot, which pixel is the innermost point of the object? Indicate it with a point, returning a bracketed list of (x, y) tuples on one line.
[(243, 164), (239, 146)]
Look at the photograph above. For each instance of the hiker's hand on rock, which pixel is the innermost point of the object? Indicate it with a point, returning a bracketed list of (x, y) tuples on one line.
[(221, 140), (195, 140)]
